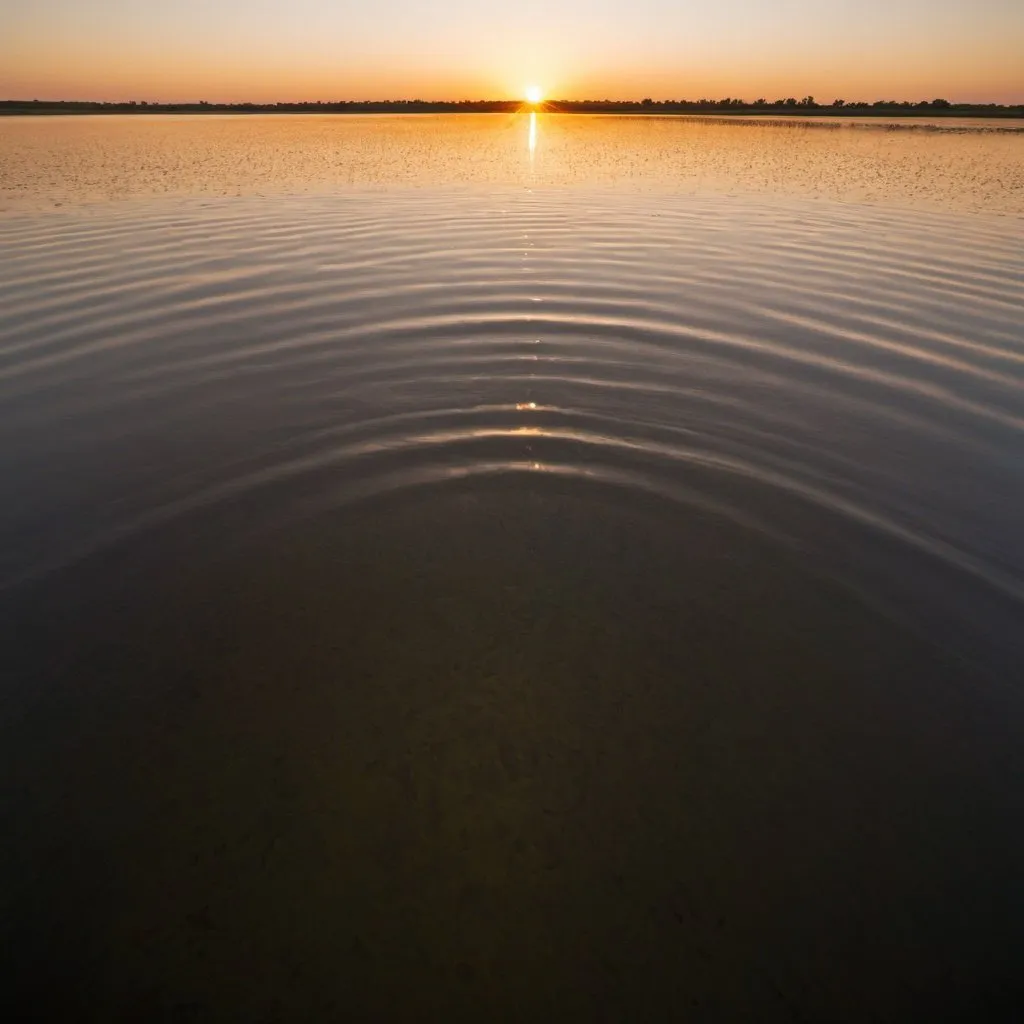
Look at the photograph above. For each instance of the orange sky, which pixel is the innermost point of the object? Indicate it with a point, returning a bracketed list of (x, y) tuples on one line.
[(318, 49)]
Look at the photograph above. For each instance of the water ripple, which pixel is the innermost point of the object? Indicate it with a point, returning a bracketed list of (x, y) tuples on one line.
[(844, 381)]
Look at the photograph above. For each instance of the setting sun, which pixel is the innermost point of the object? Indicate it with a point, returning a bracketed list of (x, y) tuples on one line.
[(534, 94)]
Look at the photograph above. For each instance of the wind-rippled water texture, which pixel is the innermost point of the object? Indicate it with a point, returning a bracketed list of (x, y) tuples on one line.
[(581, 589)]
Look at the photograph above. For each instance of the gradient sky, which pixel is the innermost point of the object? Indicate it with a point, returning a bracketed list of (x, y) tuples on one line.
[(224, 50)]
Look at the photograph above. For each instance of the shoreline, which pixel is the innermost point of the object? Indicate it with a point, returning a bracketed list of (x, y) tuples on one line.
[(18, 108)]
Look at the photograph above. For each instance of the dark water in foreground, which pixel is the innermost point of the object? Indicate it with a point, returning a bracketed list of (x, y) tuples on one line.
[(491, 602)]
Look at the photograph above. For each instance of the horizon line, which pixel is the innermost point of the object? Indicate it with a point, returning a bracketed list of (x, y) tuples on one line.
[(806, 102)]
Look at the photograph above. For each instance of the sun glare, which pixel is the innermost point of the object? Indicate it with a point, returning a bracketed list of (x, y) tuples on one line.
[(534, 94)]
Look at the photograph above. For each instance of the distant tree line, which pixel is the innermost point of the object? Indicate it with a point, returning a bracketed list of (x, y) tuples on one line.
[(730, 105), (809, 103)]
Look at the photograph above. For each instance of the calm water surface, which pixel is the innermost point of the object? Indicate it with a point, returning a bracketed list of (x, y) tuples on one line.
[(525, 568)]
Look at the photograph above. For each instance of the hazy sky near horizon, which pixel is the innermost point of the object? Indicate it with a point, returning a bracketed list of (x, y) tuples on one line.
[(225, 50)]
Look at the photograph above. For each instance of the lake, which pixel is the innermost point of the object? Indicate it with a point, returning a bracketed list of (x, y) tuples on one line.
[(511, 567)]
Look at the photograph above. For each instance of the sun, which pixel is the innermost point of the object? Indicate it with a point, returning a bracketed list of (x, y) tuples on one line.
[(534, 94)]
